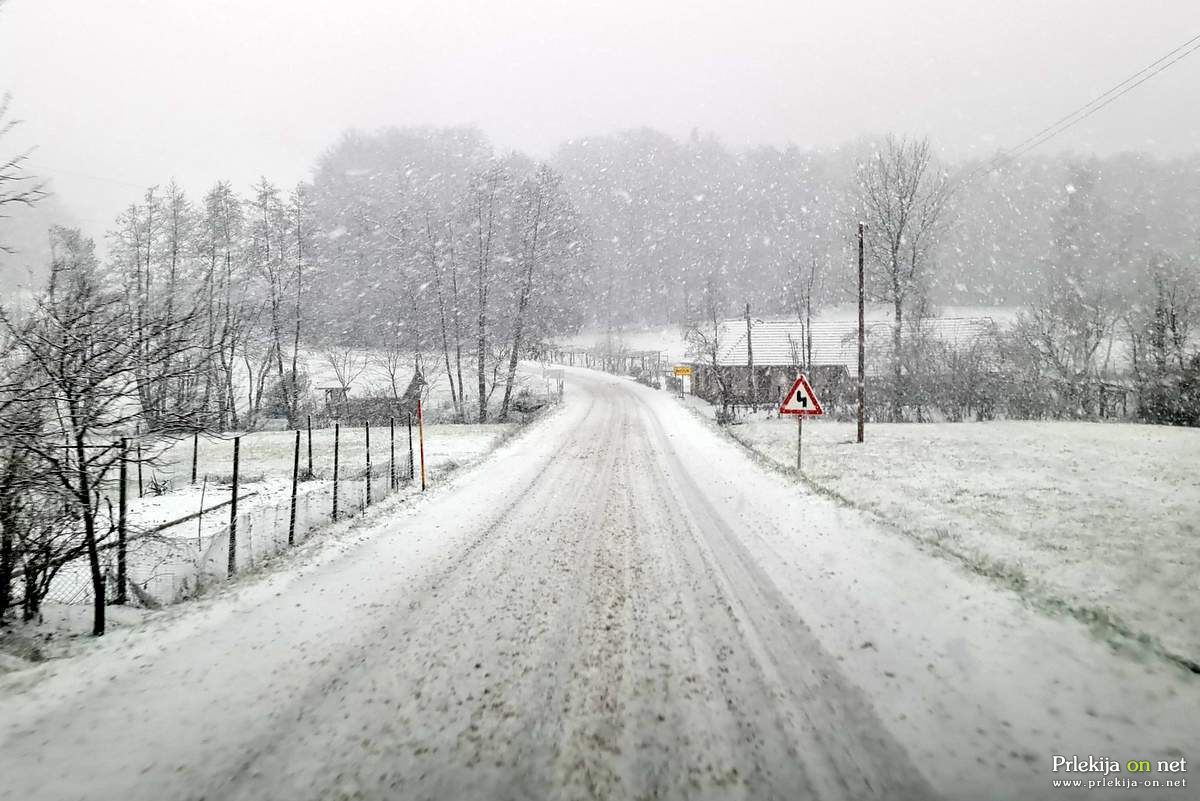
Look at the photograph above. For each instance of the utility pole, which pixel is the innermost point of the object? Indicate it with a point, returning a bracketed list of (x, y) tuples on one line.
[(751, 382), (862, 334)]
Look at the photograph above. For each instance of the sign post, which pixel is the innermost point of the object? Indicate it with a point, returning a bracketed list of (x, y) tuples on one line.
[(682, 371), (799, 439), (556, 376), (802, 402), (862, 381)]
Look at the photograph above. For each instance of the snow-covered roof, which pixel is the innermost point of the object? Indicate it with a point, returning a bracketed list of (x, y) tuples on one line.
[(834, 342)]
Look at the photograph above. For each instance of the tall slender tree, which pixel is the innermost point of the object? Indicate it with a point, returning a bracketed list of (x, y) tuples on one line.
[(903, 195)]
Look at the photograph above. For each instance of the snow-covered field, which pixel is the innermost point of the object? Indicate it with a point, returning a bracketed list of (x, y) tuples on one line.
[(373, 378), (269, 453), (266, 465), (670, 340), (165, 564), (367, 371), (1102, 517)]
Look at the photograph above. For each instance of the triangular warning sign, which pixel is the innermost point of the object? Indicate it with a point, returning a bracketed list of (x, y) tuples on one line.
[(801, 399)]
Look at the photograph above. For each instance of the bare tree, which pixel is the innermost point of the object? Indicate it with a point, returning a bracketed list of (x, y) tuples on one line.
[(439, 251), (904, 197), (20, 418), (17, 187), (88, 381), (1161, 325), (270, 239), (16, 415), (804, 287), (1064, 333), (302, 225), (46, 538), (484, 204), (259, 355), (224, 294), (347, 365), (535, 220), (393, 360), (457, 326), (706, 338), (1174, 308)]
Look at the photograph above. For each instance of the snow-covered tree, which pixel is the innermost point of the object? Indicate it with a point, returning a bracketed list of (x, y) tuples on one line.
[(903, 194)]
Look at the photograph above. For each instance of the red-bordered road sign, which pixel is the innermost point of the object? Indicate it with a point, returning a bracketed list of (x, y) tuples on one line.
[(801, 400)]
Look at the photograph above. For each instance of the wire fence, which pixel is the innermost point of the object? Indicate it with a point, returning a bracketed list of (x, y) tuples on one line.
[(171, 562)]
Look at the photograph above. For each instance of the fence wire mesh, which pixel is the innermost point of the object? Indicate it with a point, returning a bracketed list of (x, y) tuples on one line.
[(174, 561)]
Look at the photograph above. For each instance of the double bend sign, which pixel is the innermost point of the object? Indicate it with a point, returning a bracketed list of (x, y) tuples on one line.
[(801, 400)]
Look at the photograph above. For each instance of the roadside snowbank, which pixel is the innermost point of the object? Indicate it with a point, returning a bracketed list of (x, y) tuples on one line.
[(1104, 517)]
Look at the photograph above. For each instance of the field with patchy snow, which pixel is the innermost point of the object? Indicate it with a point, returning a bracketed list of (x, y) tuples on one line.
[(269, 453), (670, 338), (165, 564), (266, 464), (1104, 518)]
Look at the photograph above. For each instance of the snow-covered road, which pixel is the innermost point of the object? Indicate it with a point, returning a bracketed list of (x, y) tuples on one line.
[(617, 604)]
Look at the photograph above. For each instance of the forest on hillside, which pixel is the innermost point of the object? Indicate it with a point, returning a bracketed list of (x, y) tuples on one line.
[(430, 243)]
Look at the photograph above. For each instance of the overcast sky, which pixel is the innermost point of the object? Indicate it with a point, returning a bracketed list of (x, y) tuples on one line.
[(119, 94)]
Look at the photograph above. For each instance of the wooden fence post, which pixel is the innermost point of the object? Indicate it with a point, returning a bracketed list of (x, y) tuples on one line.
[(231, 568), (121, 517), (139, 464), (295, 482), (411, 463), (421, 436), (368, 431), (392, 460), (200, 517), (336, 437)]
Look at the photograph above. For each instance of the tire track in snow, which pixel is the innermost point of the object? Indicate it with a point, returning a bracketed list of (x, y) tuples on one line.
[(591, 628)]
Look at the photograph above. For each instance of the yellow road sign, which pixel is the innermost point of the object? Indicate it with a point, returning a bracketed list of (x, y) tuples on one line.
[(683, 371)]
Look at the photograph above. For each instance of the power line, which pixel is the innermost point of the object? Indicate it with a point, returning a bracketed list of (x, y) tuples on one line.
[(56, 170), (1106, 94), (1097, 103), (1113, 98)]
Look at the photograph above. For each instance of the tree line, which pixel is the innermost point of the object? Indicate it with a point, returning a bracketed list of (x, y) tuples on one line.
[(435, 245), (207, 315), (426, 246), (1109, 304), (82, 369)]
